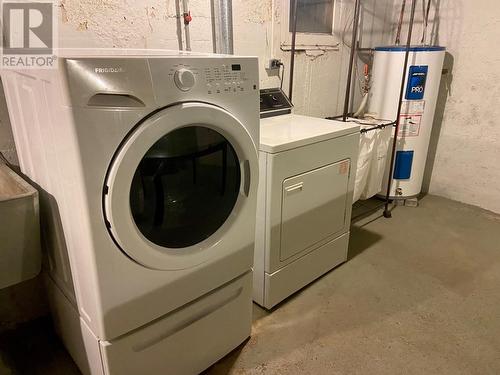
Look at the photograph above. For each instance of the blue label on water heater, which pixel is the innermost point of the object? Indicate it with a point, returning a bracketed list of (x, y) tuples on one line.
[(416, 82)]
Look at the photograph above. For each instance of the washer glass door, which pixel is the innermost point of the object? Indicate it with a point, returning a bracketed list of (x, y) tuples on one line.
[(181, 188), (185, 187)]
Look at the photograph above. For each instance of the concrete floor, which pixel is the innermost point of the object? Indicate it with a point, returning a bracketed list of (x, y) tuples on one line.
[(419, 295)]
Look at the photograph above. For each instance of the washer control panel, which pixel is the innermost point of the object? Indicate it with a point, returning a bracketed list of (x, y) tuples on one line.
[(226, 78), (208, 77)]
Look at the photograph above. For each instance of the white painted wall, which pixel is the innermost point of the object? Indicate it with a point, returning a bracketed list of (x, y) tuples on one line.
[(465, 152)]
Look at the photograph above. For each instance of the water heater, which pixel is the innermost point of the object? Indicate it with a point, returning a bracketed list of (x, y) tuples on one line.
[(421, 89)]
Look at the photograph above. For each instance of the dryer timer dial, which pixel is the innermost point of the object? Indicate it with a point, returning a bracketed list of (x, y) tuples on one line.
[(184, 79)]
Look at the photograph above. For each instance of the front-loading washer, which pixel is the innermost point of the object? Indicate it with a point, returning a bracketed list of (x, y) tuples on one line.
[(147, 167)]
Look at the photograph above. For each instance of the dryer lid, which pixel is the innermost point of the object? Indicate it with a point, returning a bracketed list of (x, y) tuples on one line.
[(286, 132)]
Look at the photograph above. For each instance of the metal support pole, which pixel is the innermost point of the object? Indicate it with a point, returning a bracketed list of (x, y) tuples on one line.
[(292, 50), (387, 212), (357, 7)]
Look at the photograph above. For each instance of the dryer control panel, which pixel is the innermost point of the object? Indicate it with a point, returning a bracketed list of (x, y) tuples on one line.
[(274, 102)]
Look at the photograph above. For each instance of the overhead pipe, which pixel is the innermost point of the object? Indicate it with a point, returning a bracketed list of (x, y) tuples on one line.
[(400, 23), (179, 25), (357, 7), (226, 26), (426, 22), (387, 213), (292, 49), (222, 26)]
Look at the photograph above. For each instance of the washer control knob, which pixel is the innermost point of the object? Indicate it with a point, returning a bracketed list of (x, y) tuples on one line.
[(184, 79)]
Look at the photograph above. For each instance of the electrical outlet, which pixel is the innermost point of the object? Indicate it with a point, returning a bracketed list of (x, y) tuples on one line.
[(274, 64)]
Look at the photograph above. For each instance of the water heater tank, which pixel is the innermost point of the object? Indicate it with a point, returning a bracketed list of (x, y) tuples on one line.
[(417, 112)]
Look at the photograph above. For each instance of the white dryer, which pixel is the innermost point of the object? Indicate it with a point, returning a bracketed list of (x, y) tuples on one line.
[(147, 166), (307, 174)]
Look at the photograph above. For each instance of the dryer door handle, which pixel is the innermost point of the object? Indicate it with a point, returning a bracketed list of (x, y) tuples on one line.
[(294, 188)]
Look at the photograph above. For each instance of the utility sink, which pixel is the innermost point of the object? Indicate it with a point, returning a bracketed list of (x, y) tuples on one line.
[(20, 255)]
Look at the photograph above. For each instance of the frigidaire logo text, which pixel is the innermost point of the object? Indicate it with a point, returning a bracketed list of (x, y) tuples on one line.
[(109, 69)]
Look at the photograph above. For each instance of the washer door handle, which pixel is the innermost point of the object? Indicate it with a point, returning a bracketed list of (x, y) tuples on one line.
[(246, 177)]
